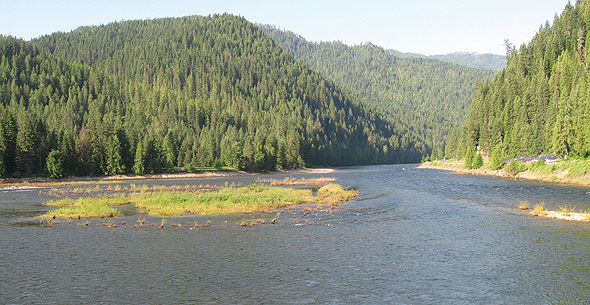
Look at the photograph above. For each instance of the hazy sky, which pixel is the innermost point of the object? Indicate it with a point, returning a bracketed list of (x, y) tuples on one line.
[(427, 26)]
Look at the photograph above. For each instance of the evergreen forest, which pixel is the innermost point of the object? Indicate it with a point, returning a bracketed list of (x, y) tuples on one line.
[(159, 95), (540, 103)]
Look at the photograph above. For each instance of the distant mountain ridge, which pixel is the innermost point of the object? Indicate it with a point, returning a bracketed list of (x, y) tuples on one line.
[(424, 96), (469, 59)]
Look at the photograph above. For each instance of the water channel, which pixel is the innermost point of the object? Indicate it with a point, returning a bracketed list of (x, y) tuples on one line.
[(413, 236)]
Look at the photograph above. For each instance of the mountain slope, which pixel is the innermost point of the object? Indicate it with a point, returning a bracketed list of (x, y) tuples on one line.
[(189, 92), (423, 96), (540, 103)]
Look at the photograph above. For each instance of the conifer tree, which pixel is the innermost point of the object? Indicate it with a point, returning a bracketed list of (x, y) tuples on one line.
[(114, 157), (496, 160), (55, 164), (469, 158), (477, 161), (139, 161), (9, 134)]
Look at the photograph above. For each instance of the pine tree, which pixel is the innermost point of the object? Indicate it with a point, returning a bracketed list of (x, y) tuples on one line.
[(9, 134), (139, 161), (114, 160), (496, 160), (477, 161), (26, 144), (55, 164), (469, 156), (3, 172), (169, 150)]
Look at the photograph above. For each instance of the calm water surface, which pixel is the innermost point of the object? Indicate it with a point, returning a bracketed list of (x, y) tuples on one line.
[(412, 237)]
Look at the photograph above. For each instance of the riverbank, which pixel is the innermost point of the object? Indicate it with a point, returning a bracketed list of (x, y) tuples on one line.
[(44, 181), (568, 172)]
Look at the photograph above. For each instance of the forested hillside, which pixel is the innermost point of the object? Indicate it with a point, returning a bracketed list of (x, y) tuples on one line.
[(148, 96), (425, 97), (541, 102)]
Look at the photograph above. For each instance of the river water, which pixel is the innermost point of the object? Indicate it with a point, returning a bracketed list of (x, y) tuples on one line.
[(413, 236)]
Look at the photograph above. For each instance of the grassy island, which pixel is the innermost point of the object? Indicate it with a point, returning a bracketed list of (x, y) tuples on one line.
[(228, 200)]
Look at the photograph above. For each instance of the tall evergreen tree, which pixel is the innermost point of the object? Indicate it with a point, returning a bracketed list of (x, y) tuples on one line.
[(9, 133), (139, 161), (114, 157)]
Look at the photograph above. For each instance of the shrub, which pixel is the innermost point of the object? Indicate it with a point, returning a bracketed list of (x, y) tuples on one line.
[(539, 209), (515, 167), (496, 160), (537, 166), (477, 161)]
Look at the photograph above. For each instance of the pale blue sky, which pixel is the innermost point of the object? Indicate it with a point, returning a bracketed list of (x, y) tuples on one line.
[(427, 26)]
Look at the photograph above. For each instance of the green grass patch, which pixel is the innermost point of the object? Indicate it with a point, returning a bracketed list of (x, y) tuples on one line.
[(574, 167), (251, 198), (542, 168), (567, 209), (94, 210), (577, 168)]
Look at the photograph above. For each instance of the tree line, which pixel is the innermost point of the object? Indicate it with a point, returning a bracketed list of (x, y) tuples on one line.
[(158, 95)]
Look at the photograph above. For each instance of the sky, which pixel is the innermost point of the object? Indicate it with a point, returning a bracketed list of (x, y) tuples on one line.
[(426, 27)]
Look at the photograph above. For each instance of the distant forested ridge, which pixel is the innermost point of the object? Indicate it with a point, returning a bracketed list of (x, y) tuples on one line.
[(423, 97), (475, 60), (541, 102), (150, 96), (467, 59)]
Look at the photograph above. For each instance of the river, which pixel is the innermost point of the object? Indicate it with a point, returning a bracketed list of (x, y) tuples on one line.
[(413, 236)]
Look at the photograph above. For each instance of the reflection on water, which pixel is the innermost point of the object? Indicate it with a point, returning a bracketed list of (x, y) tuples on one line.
[(413, 236)]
